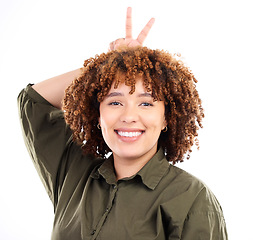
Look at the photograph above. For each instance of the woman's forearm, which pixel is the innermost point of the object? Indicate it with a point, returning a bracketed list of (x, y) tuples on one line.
[(53, 89)]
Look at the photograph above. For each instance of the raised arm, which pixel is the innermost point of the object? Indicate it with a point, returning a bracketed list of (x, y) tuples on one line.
[(53, 89)]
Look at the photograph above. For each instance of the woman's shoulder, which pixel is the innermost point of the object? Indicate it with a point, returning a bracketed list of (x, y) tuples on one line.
[(193, 207), (192, 191), (183, 178)]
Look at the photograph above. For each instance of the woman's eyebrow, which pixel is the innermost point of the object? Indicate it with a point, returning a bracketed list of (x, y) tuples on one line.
[(114, 94), (117, 94), (146, 94)]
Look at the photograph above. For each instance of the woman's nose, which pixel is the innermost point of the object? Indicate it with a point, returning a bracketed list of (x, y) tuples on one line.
[(129, 114)]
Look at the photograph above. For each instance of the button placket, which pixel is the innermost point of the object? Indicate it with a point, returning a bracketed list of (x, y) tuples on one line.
[(113, 191), (112, 197)]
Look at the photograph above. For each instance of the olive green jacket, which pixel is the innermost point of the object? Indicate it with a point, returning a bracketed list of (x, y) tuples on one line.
[(160, 202)]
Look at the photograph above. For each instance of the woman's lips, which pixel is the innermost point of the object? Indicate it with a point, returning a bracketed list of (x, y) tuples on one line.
[(129, 135)]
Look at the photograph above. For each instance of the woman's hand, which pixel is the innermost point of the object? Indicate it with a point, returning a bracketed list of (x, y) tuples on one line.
[(128, 41)]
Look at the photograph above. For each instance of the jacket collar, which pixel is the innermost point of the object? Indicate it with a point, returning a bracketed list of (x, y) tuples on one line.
[(151, 173)]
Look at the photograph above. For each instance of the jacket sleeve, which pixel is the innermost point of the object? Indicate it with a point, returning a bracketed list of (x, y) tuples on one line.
[(47, 138), (205, 219)]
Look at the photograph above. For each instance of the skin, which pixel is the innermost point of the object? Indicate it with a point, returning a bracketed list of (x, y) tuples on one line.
[(131, 126), (128, 40)]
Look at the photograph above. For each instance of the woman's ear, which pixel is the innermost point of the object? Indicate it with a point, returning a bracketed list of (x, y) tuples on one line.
[(164, 123), (99, 125), (164, 126)]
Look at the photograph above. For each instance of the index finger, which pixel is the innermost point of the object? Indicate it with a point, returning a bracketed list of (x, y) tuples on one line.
[(144, 33), (129, 23)]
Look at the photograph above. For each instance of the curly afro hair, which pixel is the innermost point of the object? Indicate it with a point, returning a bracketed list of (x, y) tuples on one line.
[(166, 77)]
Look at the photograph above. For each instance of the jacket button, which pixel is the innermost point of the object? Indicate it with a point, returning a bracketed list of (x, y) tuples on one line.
[(93, 232)]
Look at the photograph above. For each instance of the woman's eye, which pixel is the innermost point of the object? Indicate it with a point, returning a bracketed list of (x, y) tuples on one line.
[(114, 103), (146, 104)]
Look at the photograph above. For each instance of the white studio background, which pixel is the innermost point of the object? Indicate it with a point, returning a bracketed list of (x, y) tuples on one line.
[(41, 39)]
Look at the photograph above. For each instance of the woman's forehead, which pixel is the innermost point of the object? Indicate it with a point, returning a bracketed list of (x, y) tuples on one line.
[(121, 78), (136, 83), (121, 83), (123, 86)]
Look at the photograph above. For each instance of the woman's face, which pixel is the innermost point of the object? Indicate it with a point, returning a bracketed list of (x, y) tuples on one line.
[(131, 124)]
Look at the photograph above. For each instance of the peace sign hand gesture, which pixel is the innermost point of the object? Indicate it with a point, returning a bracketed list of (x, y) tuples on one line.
[(128, 41)]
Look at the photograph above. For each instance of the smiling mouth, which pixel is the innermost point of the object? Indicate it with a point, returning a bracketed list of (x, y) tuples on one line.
[(129, 134)]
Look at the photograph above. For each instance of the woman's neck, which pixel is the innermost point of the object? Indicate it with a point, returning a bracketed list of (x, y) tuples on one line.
[(127, 167)]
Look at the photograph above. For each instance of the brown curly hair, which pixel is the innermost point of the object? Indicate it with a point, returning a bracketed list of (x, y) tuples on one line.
[(166, 77)]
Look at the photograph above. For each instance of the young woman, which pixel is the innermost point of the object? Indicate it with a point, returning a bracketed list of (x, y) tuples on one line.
[(103, 149)]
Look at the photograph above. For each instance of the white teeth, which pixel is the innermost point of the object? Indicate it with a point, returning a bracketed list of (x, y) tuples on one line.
[(129, 134)]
